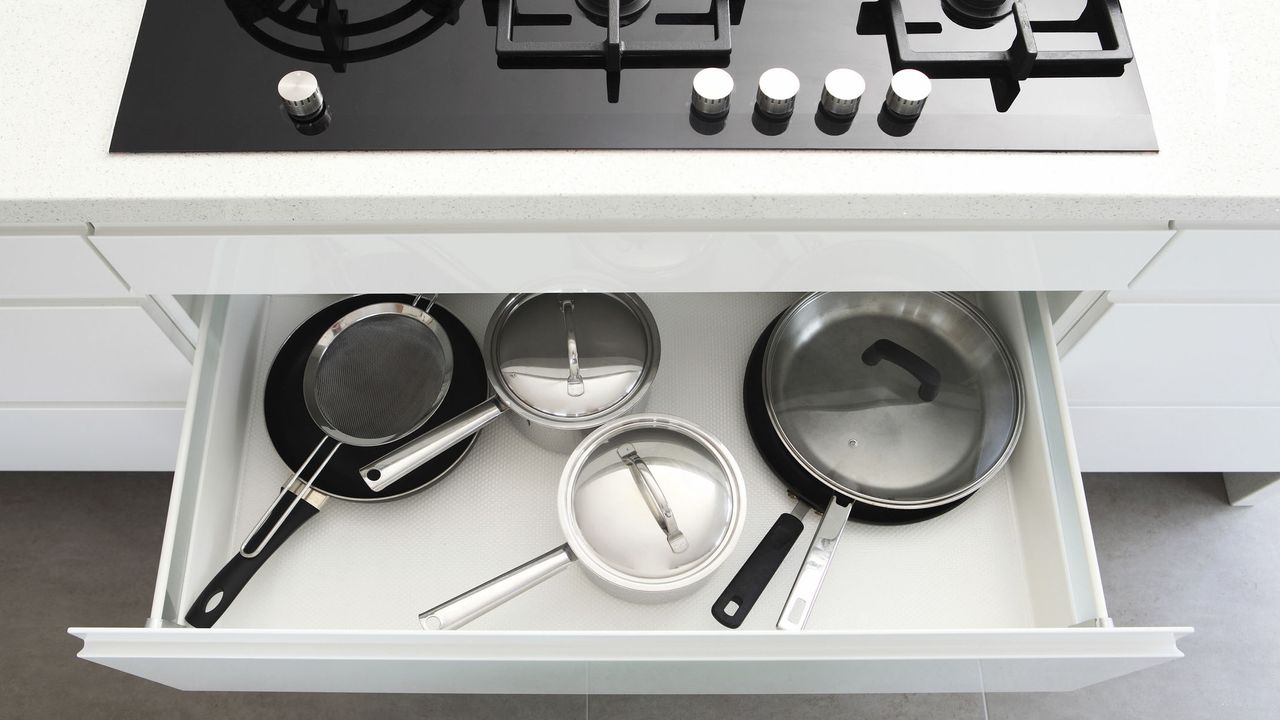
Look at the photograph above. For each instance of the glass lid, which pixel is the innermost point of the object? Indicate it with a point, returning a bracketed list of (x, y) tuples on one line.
[(900, 399)]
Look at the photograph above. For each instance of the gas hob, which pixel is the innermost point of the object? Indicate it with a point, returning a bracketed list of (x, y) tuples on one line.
[(294, 75)]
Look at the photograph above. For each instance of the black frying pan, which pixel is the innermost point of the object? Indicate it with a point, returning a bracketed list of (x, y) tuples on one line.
[(746, 587), (294, 435)]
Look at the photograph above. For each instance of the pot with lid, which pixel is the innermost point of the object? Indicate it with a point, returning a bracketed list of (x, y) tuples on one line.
[(560, 365), (650, 506)]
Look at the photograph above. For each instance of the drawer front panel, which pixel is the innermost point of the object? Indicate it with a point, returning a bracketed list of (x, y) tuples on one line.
[(107, 438), (1178, 355), (1228, 262), (685, 663), (88, 354), (980, 598), (40, 265), (1177, 439), (159, 262)]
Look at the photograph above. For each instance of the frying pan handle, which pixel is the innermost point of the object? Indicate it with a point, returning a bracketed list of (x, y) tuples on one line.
[(285, 517), (799, 605), (754, 576), (411, 456), (481, 599), (925, 373)]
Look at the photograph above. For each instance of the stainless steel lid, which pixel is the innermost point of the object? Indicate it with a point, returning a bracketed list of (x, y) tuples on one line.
[(573, 360), (904, 400), (652, 502)]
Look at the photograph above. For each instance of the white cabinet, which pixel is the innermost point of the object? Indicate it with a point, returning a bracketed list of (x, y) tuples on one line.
[(984, 598), (1181, 372), (327, 260)]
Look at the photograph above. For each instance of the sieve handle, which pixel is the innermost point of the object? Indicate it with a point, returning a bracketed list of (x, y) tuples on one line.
[(409, 457), (481, 599), (799, 605), (654, 497), (575, 384)]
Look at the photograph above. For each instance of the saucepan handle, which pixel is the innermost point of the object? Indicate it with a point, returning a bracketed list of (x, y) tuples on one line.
[(799, 605), (426, 447), (745, 588), (479, 600), (924, 372)]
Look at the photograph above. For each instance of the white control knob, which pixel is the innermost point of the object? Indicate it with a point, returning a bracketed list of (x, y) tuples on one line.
[(711, 90), (776, 96), (842, 92), (907, 92), (300, 93)]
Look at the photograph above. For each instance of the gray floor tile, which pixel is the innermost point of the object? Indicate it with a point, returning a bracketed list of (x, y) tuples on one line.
[(786, 707), (1173, 552)]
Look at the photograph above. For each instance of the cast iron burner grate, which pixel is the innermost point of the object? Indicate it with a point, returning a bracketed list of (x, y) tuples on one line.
[(613, 52), (279, 25), (1005, 68)]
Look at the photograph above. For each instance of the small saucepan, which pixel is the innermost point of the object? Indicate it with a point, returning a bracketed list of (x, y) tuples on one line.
[(563, 364), (886, 408), (650, 506)]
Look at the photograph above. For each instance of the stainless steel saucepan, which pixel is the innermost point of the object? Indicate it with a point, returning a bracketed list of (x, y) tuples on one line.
[(881, 407), (562, 364), (650, 506)]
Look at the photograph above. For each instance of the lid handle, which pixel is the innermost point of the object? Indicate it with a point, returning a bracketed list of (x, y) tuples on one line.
[(653, 497), (575, 385), (925, 373)]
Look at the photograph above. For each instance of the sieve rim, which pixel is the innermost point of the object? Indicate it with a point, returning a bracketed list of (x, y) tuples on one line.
[(351, 319)]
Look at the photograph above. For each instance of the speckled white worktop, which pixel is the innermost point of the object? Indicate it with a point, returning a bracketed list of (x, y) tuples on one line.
[(1210, 70)]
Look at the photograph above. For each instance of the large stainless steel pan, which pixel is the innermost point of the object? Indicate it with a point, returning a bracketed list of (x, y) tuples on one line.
[(881, 407)]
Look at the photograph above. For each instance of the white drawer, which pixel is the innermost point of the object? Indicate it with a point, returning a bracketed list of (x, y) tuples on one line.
[(275, 260), (102, 351), (980, 599), (1178, 439), (1187, 354), (53, 261), (1226, 262)]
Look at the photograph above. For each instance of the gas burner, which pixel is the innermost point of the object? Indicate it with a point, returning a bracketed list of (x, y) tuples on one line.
[(1005, 68), (611, 53), (279, 25), (977, 14), (598, 10)]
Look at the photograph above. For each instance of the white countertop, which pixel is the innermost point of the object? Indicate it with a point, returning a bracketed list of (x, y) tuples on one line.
[(1210, 71)]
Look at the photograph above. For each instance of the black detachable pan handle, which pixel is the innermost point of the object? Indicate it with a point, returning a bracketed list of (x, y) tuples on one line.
[(925, 373), (744, 589), (232, 578)]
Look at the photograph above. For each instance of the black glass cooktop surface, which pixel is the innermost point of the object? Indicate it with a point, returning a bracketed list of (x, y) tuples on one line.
[(580, 74)]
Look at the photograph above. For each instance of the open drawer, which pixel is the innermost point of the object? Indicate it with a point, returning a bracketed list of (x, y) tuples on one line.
[(1001, 594)]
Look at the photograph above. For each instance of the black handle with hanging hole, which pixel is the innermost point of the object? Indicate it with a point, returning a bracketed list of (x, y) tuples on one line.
[(240, 569), (745, 588)]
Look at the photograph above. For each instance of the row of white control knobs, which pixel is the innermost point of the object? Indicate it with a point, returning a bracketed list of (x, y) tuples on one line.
[(841, 93)]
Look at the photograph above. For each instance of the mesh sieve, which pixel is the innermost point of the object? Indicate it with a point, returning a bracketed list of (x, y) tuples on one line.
[(379, 379)]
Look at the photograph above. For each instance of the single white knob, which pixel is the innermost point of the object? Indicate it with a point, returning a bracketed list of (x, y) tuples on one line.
[(776, 96), (907, 92), (842, 92), (711, 90), (300, 93)]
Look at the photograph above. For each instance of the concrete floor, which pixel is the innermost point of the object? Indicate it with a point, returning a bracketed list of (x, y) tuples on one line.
[(80, 549)]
